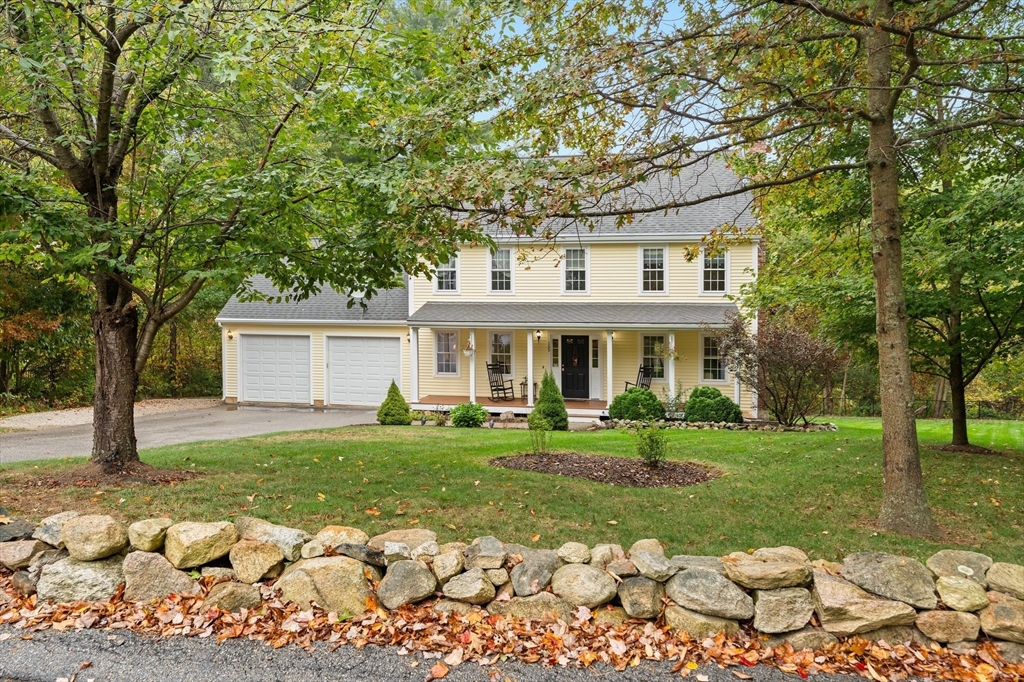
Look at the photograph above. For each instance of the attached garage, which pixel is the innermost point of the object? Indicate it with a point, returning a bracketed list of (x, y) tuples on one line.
[(361, 368), (275, 368)]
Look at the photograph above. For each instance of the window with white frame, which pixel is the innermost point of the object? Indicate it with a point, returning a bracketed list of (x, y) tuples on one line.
[(595, 352), (501, 270), (652, 269), (501, 351), (448, 275), (713, 272), (446, 353), (575, 269), (713, 369), (555, 362), (654, 349)]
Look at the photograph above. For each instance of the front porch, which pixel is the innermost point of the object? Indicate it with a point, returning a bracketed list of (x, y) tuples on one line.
[(579, 409)]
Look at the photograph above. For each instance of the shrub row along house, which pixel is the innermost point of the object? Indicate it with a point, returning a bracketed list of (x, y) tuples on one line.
[(597, 307)]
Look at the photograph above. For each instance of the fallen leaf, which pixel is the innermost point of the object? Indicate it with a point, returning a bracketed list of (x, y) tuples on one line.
[(437, 671), (535, 537), (742, 676)]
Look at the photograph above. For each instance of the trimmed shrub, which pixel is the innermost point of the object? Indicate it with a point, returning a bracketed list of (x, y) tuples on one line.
[(550, 405), (394, 411), (468, 415), (637, 404), (709, 392), (652, 446), (720, 409)]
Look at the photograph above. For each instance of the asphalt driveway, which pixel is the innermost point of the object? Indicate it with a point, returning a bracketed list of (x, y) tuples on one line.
[(218, 422)]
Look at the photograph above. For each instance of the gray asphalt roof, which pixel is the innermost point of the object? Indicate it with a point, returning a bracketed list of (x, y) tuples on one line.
[(578, 314), (328, 305)]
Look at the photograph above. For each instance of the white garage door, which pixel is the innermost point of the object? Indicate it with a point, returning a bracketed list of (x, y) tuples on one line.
[(360, 369), (275, 369)]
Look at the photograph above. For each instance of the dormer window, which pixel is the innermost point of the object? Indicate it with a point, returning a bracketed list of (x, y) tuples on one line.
[(448, 276), (501, 271), (713, 271), (576, 270)]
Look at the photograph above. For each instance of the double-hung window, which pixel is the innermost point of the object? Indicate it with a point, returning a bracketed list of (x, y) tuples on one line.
[(652, 270), (448, 275), (501, 270), (713, 369), (654, 347), (446, 360), (713, 272), (501, 351), (576, 270)]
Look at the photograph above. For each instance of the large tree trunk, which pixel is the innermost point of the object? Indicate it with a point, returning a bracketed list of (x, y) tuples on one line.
[(904, 503), (115, 328)]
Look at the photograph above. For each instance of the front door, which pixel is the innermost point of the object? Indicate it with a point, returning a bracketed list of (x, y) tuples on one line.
[(576, 366)]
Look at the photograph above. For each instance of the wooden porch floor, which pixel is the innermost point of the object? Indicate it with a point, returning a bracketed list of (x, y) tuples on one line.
[(581, 407)]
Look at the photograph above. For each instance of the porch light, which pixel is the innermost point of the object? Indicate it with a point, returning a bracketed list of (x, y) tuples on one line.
[(537, 334), (408, 337), (613, 336), (231, 335)]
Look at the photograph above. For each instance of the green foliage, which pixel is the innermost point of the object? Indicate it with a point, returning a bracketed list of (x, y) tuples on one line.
[(637, 404), (720, 409), (551, 405), (394, 411), (539, 427), (652, 445), (709, 392), (468, 415)]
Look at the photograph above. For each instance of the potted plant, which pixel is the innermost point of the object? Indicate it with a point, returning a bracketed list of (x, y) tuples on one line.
[(468, 349)]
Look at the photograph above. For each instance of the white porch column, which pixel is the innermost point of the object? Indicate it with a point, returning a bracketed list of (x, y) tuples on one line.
[(414, 364), (670, 374), (529, 368), (472, 367), (609, 392), (736, 389)]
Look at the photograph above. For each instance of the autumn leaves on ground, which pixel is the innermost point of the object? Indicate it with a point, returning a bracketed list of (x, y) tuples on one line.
[(819, 491)]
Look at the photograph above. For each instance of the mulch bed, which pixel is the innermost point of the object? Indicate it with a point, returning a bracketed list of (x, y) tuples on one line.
[(620, 471), (93, 476), (967, 449)]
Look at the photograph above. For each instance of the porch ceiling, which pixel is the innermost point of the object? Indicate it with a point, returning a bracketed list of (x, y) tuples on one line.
[(577, 315)]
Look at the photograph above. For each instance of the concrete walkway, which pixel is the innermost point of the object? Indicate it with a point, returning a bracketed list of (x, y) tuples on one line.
[(218, 422)]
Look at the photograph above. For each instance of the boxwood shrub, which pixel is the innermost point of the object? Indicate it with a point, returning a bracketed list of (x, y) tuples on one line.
[(637, 404), (468, 415)]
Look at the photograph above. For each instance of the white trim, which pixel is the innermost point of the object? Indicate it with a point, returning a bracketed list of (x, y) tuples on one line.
[(511, 271), (619, 238), (224, 364), (458, 353), (577, 325), (411, 296), (728, 278), (472, 365), (670, 377), (529, 369), (609, 390), (240, 369), (587, 273), (414, 363), (321, 323), (700, 367), (327, 359), (640, 269), (458, 278)]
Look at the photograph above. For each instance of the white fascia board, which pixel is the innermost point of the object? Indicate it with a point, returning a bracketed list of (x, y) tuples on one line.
[(338, 323)]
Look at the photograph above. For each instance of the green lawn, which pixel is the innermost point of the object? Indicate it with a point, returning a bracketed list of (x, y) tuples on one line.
[(818, 491)]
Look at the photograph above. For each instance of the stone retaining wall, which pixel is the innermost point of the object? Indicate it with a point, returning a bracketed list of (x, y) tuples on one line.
[(952, 599), (726, 426)]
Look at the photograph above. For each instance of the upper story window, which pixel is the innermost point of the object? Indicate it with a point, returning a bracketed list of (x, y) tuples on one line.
[(654, 347), (712, 367), (652, 269), (448, 275), (446, 358), (576, 270), (713, 270), (501, 270)]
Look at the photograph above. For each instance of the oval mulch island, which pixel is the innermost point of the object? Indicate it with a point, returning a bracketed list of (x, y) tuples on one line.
[(620, 471)]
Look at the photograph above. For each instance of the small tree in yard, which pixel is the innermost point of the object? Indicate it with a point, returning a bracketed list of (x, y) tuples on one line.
[(539, 427), (394, 411), (789, 365), (550, 404), (652, 446)]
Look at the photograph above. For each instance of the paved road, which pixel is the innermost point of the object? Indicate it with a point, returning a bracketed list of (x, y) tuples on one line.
[(216, 423), (124, 657)]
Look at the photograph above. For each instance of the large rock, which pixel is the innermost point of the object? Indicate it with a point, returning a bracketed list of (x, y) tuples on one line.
[(1012, 652), (288, 540), (610, 615), (960, 564), (486, 552), (574, 553), (17, 529), (768, 575), (93, 537), (406, 582), (332, 536), (1006, 578), (532, 576), (893, 577), (425, 552), (583, 585), (783, 553), (148, 535), (1004, 618), (364, 553), (641, 597), (70, 580), (653, 565), (845, 609), (602, 555), (233, 597), (804, 638), (396, 551), (254, 560), (709, 593), (698, 625), (897, 634), (647, 545), (472, 587), (782, 610), (961, 594), (948, 626), (498, 576), (50, 527), (541, 606), (18, 554), (414, 537), (447, 565), (622, 568), (336, 583), (192, 544), (148, 575), (681, 562)]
